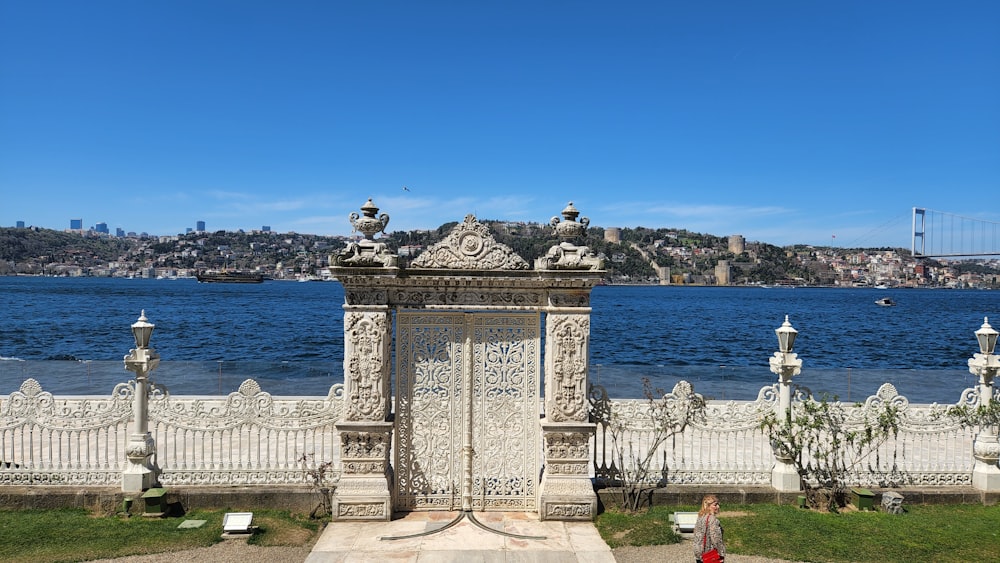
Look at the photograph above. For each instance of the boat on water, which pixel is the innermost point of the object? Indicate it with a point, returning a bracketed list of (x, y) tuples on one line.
[(885, 302), (230, 276)]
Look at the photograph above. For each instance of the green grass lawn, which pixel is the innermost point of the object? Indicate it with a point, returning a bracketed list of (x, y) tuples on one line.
[(42, 536), (923, 533)]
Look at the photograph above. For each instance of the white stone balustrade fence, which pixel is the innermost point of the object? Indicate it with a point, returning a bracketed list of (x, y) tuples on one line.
[(252, 438), (245, 438), (728, 447)]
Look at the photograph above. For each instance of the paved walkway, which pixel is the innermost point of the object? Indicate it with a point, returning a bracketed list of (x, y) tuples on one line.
[(565, 542)]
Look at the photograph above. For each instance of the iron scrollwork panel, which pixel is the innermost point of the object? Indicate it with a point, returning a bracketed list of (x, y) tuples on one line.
[(430, 348), (433, 409), (505, 408)]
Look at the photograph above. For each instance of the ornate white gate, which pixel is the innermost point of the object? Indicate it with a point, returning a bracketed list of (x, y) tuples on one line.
[(467, 382), (468, 431)]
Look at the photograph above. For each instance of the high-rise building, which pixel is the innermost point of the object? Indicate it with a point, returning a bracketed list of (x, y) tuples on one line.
[(201, 227), (266, 228), (76, 224), (20, 224), (120, 232), (102, 228)]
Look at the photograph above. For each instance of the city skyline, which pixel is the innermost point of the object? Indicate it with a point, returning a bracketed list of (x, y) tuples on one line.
[(784, 122)]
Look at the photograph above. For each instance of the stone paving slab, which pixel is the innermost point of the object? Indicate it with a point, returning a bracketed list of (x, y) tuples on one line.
[(358, 542)]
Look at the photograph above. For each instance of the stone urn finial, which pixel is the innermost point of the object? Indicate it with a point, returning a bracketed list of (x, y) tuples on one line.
[(369, 224), (569, 229), (567, 255)]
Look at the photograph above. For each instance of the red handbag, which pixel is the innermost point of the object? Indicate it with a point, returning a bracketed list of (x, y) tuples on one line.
[(712, 555)]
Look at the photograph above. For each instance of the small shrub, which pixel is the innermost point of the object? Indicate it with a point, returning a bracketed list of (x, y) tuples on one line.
[(632, 463), (320, 479), (825, 445)]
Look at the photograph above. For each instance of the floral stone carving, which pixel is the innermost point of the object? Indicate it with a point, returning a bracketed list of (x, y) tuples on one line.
[(366, 336), (568, 347)]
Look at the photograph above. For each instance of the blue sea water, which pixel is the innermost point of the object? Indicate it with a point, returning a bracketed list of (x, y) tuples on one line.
[(289, 336)]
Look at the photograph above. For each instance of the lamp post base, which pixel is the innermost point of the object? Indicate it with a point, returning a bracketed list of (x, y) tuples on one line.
[(785, 478), (138, 481), (140, 473), (986, 477), (986, 450)]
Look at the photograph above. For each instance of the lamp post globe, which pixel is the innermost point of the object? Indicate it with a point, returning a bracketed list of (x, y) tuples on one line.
[(987, 338), (786, 336), (785, 363), (985, 363), (142, 330)]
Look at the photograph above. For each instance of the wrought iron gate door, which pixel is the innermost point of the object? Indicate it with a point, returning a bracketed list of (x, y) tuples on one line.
[(467, 411)]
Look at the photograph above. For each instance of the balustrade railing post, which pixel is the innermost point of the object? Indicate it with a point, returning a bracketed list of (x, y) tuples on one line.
[(140, 472), (785, 364), (986, 448)]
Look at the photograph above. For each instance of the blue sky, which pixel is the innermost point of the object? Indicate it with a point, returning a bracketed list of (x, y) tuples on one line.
[(785, 121)]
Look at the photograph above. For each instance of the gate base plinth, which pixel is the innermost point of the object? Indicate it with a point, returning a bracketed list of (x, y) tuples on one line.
[(566, 492), (363, 490), (362, 508), (568, 507)]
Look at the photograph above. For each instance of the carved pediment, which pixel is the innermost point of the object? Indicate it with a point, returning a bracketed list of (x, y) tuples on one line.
[(470, 246)]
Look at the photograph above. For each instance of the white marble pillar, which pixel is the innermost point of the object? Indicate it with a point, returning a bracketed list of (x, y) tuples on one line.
[(363, 492), (566, 491)]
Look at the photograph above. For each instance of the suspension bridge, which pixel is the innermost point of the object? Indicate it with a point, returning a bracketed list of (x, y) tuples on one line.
[(939, 234)]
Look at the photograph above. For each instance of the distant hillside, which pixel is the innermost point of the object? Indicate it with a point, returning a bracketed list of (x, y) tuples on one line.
[(19, 245), (641, 256), (625, 261)]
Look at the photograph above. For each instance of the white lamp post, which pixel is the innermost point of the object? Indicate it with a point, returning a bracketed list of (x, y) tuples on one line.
[(986, 449), (785, 364), (140, 473)]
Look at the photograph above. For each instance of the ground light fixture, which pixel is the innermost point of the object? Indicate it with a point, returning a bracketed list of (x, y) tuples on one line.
[(237, 523)]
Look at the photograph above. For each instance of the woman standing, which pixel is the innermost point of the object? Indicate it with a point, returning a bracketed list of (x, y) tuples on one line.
[(708, 530)]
